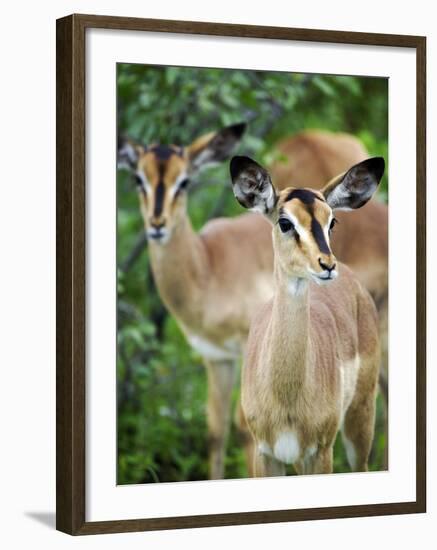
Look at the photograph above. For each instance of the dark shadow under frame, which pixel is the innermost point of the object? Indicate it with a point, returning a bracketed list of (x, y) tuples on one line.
[(70, 273)]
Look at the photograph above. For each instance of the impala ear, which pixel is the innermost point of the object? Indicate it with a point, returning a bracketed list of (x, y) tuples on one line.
[(128, 153), (215, 146), (355, 187), (252, 185)]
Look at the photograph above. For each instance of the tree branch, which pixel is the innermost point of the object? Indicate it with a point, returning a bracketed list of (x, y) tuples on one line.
[(135, 253)]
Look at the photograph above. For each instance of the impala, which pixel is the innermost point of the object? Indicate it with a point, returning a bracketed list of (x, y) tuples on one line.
[(361, 240), (312, 358), (211, 282)]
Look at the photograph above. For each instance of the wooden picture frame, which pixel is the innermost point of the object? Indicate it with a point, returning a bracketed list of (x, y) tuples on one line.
[(71, 280)]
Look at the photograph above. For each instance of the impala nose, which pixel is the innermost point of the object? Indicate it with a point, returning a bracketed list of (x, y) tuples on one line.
[(326, 266), (157, 230)]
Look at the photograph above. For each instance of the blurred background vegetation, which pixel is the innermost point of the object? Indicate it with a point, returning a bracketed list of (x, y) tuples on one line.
[(161, 383)]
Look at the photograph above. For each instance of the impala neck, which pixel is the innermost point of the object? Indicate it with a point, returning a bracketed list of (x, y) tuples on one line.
[(180, 269), (289, 333)]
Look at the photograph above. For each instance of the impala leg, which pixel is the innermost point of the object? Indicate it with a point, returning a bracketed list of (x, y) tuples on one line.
[(383, 375), (304, 466), (357, 432), (245, 437), (383, 386), (221, 376), (267, 466), (300, 467), (322, 462), (359, 421)]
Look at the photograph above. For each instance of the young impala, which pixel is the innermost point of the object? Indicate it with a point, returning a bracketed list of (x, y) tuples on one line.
[(312, 358), (361, 240), (211, 282)]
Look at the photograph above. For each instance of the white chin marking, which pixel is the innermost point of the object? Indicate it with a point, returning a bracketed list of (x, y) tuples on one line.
[(287, 448), (163, 239), (324, 281)]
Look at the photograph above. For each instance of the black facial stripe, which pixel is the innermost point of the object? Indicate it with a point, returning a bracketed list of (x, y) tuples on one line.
[(164, 152), (319, 236), (304, 195), (307, 197), (159, 199)]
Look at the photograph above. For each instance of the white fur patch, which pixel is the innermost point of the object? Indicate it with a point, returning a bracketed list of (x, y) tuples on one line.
[(264, 287), (350, 451), (209, 350), (128, 156), (300, 230), (203, 159), (264, 448), (348, 376), (338, 198), (322, 282), (164, 236), (182, 177), (296, 286), (287, 448), (270, 198), (310, 451)]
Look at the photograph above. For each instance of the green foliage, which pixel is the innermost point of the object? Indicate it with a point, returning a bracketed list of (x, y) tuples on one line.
[(161, 383)]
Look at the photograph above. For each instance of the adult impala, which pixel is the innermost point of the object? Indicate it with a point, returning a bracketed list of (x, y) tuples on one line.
[(312, 359), (211, 282)]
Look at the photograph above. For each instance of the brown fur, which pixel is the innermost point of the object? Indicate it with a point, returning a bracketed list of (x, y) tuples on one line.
[(212, 282), (312, 357), (310, 159), (313, 157), (291, 379)]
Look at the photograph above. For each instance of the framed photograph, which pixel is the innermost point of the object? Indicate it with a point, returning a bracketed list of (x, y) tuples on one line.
[(241, 322)]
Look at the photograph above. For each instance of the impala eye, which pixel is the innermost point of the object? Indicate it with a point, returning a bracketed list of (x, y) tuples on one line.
[(181, 186), (184, 183), (332, 224), (285, 225), (138, 181)]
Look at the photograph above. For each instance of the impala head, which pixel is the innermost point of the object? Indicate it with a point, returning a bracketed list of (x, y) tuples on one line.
[(304, 218), (163, 174)]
